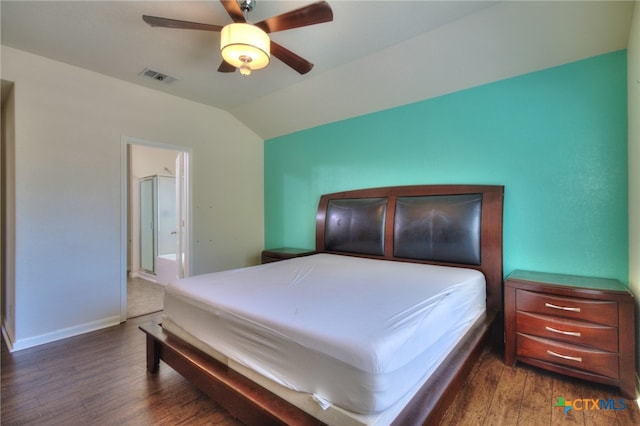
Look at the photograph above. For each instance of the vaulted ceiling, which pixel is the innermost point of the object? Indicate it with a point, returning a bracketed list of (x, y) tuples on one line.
[(374, 55)]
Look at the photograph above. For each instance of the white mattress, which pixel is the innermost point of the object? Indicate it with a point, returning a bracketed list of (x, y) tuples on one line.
[(355, 333)]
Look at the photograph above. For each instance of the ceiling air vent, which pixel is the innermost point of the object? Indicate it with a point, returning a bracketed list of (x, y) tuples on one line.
[(158, 76)]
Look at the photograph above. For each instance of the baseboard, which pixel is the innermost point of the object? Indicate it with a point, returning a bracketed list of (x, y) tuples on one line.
[(144, 275), (30, 342)]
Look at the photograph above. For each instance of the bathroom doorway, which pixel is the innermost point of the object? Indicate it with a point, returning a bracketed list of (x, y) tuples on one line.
[(157, 216)]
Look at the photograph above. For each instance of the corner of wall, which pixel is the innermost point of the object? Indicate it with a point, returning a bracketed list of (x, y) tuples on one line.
[(8, 338), (633, 76), (7, 206)]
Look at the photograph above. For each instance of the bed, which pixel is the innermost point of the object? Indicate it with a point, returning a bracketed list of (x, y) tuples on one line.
[(258, 340)]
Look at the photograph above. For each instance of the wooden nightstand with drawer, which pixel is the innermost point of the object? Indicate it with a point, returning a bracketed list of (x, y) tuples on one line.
[(579, 326), (283, 253)]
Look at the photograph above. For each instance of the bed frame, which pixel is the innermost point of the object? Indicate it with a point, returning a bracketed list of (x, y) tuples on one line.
[(454, 225)]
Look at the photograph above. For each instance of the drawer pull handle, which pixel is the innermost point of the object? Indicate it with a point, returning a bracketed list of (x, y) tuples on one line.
[(566, 333), (570, 358), (562, 308)]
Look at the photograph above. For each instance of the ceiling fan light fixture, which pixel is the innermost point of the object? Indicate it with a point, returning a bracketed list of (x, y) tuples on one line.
[(245, 46)]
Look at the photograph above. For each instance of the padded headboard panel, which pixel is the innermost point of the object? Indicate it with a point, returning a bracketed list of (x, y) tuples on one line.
[(356, 225), (444, 228), (455, 225)]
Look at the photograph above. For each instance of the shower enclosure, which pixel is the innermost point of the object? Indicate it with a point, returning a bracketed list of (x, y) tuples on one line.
[(157, 220)]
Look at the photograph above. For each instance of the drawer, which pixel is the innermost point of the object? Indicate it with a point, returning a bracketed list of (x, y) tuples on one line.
[(599, 312), (269, 259), (578, 357), (570, 331)]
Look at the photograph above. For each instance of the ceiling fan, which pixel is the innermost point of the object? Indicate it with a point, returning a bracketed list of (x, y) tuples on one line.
[(247, 46)]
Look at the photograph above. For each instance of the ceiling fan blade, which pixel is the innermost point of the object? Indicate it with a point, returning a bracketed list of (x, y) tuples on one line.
[(226, 67), (288, 57), (315, 13), (156, 21), (233, 9)]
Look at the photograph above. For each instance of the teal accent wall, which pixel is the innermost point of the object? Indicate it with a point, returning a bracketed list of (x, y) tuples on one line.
[(556, 139)]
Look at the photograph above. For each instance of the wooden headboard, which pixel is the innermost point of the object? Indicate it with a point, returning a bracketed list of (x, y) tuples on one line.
[(454, 225)]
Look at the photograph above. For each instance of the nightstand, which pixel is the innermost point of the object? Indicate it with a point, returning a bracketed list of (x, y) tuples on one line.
[(579, 326), (282, 253)]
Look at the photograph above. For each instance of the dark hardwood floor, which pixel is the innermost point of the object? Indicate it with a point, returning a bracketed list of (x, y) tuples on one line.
[(495, 394), (100, 378)]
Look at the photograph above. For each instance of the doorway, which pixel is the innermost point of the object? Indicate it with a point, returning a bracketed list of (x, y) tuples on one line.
[(156, 210)]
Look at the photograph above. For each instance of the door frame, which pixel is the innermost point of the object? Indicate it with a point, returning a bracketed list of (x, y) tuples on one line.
[(126, 142)]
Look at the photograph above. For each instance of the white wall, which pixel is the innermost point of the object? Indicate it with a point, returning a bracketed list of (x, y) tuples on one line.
[(633, 63), (69, 124)]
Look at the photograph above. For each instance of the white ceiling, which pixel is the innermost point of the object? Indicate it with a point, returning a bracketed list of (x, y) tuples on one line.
[(374, 55)]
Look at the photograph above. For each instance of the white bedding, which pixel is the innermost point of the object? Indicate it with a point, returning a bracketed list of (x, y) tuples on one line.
[(355, 333)]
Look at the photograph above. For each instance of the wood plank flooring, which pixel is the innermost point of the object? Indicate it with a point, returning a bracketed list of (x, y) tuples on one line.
[(143, 297), (99, 378), (495, 394)]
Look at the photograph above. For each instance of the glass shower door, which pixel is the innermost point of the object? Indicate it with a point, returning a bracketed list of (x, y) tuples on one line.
[(167, 226)]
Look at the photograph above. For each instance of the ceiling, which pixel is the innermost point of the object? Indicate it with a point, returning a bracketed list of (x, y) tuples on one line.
[(374, 55)]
